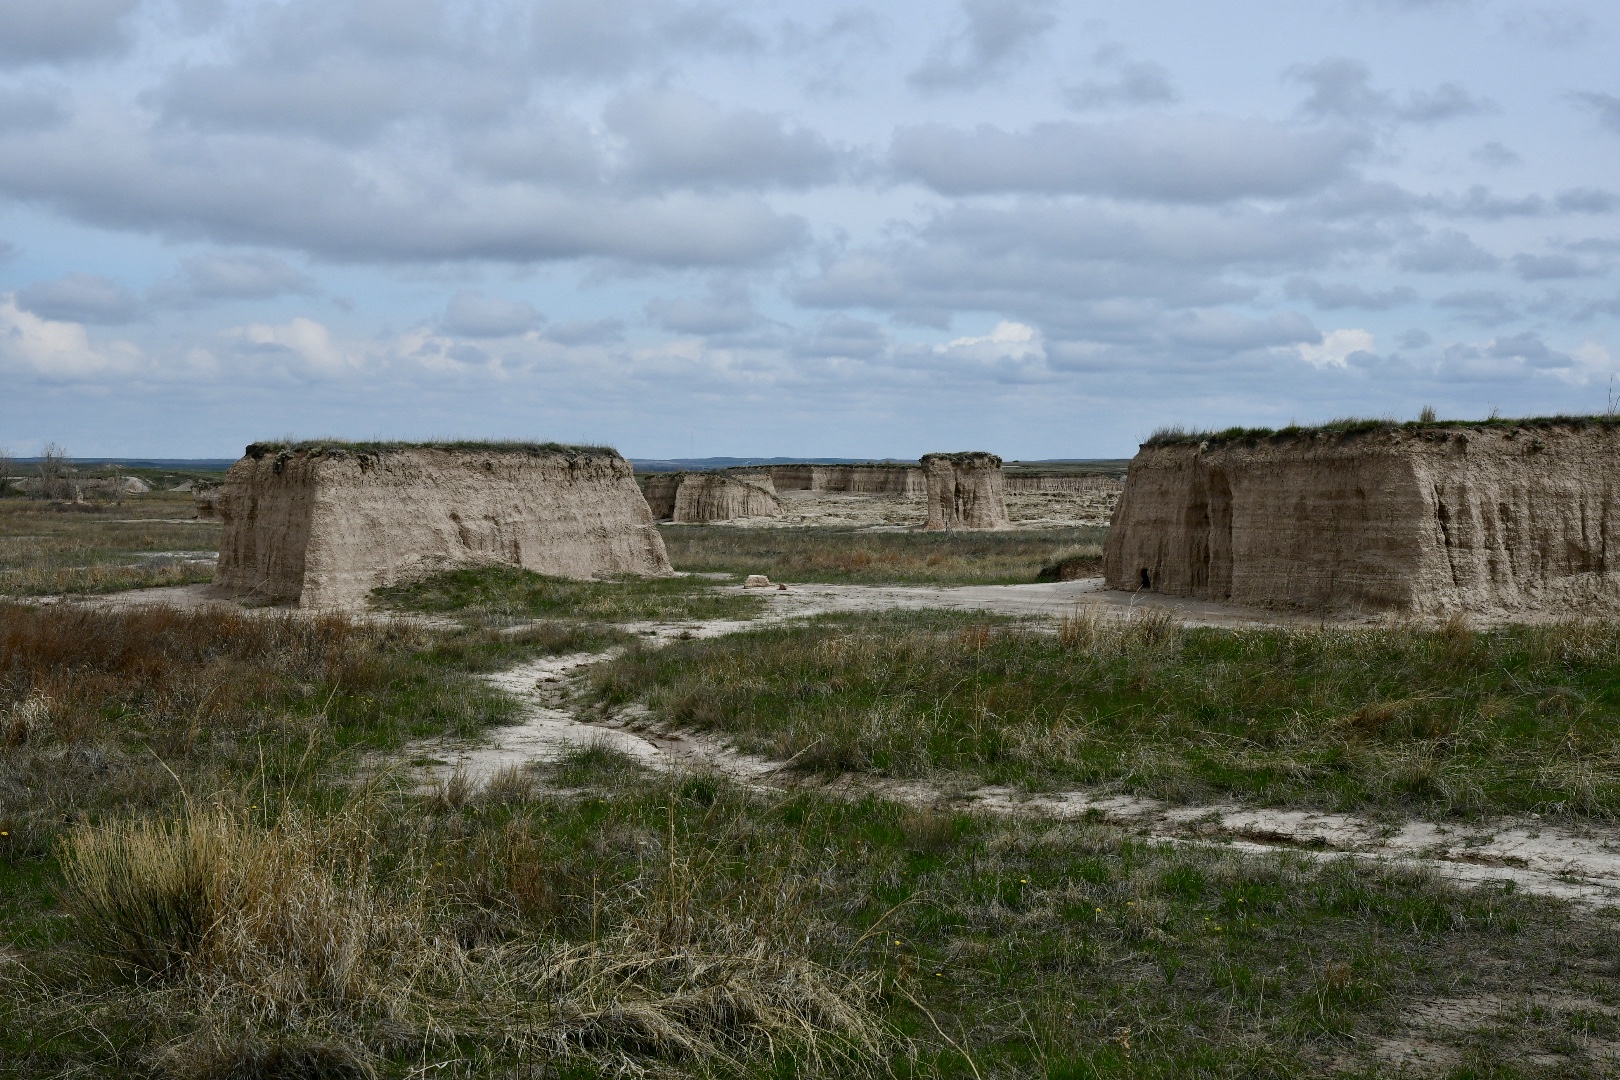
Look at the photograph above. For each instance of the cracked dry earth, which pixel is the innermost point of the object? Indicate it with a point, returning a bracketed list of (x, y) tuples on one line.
[(1570, 862)]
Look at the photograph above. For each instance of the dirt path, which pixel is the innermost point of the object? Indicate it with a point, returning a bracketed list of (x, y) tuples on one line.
[(1575, 863)]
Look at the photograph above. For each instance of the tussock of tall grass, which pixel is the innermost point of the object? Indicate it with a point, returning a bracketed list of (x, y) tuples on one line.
[(1451, 720), (237, 936)]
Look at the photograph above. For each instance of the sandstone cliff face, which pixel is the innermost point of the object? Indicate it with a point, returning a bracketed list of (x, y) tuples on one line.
[(721, 496), (965, 491), (322, 527), (1423, 519), (659, 490), (871, 479), (1023, 485)]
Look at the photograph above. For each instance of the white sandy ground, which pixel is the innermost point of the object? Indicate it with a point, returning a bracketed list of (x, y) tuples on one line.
[(1578, 863)]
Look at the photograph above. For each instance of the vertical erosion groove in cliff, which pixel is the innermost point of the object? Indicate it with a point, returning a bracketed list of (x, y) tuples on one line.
[(965, 491), (321, 526), (1423, 519)]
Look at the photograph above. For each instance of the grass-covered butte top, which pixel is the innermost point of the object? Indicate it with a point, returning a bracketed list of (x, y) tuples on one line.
[(1351, 427), (318, 447), (962, 457)]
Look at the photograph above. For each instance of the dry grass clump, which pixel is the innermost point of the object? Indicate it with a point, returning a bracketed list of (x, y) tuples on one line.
[(241, 941)]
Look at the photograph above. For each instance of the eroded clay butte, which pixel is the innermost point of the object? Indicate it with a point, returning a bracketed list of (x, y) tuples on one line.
[(722, 496), (965, 491), (876, 478), (321, 526), (1424, 519)]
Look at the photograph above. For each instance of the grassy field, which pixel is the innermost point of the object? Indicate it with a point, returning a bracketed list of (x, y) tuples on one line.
[(505, 593), (198, 880), (1448, 721), (865, 557), (144, 541)]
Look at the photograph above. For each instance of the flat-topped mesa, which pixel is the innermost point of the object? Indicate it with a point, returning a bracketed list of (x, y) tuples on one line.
[(321, 525), (874, 478), (1427, 518), (721, 496), (965, 491)]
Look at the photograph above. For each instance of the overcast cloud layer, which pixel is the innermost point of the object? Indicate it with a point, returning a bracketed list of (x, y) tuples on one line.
[(692, 228)]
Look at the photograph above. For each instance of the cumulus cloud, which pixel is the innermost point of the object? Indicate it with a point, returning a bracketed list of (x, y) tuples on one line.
[(30, 108), (1231, 332), (1006, 341), (1506, 357), (1341, 89), (1550, 267), (57, 349), (223, 276), (1182, 159), (844, 336), (472, 314), (80, 297), (728, 309), (995, 35), (1494, 155), (1482, 307), (49, 31), (1332, 296), (1606, 106), (674, 138), (1446, 252), (1335, 348), (300, 345), (320, 199), (1138, 82), (1587, 201)]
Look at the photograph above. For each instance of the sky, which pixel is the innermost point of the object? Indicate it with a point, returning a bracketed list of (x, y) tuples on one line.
[(695, 227)]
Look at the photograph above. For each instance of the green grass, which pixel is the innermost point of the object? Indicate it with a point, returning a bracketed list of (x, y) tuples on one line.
[(1359, 425), (47, 549), (1448, 721), (866, 557), (507, 592), (981, 945), (293, 922)]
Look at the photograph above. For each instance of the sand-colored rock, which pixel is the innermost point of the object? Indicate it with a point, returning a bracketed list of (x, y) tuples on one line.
[(965, 491), (206, 501), (322, 526), (722, 496), (869, 479), (1423, 518), (1024, 485), (659, 490)]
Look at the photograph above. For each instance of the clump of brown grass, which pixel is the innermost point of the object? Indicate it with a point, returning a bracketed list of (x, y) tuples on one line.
[(1088, 630), (244, 941)]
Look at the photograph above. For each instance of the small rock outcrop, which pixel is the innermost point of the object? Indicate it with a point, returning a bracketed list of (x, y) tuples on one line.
[(965, 491), (1423, 518), (205, 497), (322, 525), (721, 496)]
